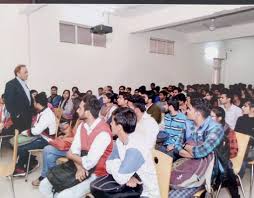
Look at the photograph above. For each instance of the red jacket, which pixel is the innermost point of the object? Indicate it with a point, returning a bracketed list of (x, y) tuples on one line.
[(87, 140)]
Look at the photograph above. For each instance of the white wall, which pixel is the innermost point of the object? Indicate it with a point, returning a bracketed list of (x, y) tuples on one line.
[(126, 60), (13, 42), (239, 63)]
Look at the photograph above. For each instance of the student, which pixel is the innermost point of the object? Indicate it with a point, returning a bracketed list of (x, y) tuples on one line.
[(66, 104), (122, 99), (128, 90), (54, 99), (93, 136), (182, 102), (147, 128), (108, 107), (174, 126), (205, 133), (152, 108), (52, 152), (229, 178), (121, 89), (232, 112), (245, 123), (5, 119), (44, 127), (163, 96), (130, 156), (218, 115)]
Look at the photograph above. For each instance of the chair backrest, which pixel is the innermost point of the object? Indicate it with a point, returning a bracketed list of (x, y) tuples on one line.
[(242, 141), (15, 153), (58, 112), (163, 165), (57, 125)]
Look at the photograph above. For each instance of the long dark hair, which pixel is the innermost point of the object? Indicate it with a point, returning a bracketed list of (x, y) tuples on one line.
[(219, 112), (67, 98)]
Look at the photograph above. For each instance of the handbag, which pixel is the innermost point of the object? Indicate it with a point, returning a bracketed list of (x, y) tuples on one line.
[(63, 176), (107, 187), (23, 140)]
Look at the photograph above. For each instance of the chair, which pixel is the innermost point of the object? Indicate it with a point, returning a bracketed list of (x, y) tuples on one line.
[(31, 152), (1, 141), (58, 112), (8, 170), (251, 163), (237, 161), (163, 166), (199, 193)]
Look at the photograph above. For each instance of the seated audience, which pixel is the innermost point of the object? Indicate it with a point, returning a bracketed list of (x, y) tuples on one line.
[(206, 134), (130, 156), (54, 99), (162, 102), (108, 107), (128, 90), (100, 94), (237, 100), (89, 151), (67, 106), (232, 112), (147, 128), (121, 89), (182, 102), (174, 126), (5, 118), (43, 128), (245, 123), (152, 108), (57, 148), (229, 179), (75, 90), (122, 99), (89, 92)]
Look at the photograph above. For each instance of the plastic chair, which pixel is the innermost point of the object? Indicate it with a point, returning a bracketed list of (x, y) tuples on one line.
[(163, 165), (237, 161), (7, 170)]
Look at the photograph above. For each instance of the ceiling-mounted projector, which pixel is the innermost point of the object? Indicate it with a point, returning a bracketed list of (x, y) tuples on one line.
[(101, 29)]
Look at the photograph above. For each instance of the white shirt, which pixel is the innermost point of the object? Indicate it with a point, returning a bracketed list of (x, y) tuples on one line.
[(25, 87), (232, 114), (134, 157), (45, 119), (97, 148), (147, 130)]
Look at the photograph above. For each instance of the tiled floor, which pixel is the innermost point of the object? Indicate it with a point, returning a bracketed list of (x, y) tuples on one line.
[(26, 190)]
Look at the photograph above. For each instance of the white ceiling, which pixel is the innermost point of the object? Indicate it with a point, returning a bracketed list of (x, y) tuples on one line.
[(242, 16)]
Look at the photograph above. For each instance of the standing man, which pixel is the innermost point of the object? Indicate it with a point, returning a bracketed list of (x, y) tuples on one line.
[(19, 102)]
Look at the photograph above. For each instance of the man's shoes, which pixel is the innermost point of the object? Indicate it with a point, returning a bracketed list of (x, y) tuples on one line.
[(19, 172), (37, 181)]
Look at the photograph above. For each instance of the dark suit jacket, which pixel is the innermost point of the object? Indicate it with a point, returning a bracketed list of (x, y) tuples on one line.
[(18, 104)]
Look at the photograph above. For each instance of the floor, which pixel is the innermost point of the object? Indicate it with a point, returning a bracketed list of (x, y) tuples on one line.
[(25, 189)]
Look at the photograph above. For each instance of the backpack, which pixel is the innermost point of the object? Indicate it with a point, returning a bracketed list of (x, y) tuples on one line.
[(63, 176), (107, 187), (189, 173)]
